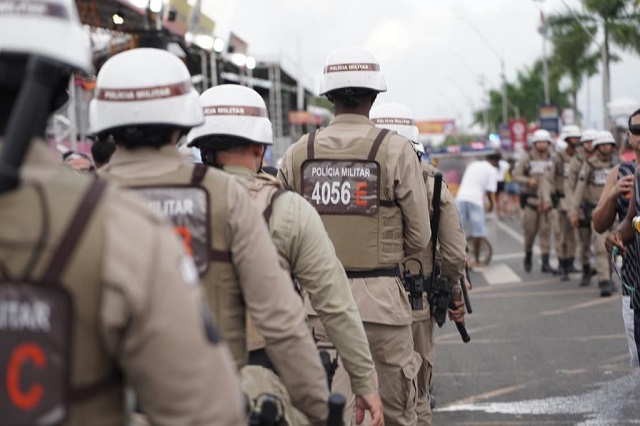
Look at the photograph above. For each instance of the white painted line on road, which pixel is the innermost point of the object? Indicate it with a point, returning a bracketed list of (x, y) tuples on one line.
[(507, 256), (499, 273), (596, 302), (516, 235)]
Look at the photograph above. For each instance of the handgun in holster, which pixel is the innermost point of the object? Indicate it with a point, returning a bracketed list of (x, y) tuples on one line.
[(439, 294), (587, 210), (414, 284)]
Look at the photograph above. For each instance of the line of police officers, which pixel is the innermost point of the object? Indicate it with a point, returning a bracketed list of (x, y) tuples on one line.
[(560, 192), (97, 293)]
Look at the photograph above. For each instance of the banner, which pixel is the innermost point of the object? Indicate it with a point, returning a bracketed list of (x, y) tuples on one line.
[(518, 133), (437, 127), (549, 118)]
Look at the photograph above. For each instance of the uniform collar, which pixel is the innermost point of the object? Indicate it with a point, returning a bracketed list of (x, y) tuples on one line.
[(144, 161), (241, 172), (351, 118)]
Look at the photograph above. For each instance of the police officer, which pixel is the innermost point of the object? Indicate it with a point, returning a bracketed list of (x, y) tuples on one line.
[(554, 193), (529, 172), (584, 222), (451, 256), (145, 100), (367, 185), (235, 137), (104, 290), (591, 181)]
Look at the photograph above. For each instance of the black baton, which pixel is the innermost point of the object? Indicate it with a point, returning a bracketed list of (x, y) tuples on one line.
[(337, 402)]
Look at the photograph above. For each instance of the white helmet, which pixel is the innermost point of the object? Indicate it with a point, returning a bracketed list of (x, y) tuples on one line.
[(233, 110), (144, 87), (541, 135), (352, 67), (395, 117), (571, 131), (588, 135), (45, 28), (604, 137)]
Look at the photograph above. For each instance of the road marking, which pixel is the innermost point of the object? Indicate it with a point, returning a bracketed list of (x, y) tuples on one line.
[(486, 289), (581, 339), (515, 293), (498, 274), (482, 396), (596, 302), (507, 256)]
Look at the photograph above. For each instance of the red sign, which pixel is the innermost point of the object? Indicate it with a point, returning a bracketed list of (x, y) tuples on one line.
[(437, 127), (518, 131)]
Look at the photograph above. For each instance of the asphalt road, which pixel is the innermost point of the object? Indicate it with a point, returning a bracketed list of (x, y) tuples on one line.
[(542, 352)]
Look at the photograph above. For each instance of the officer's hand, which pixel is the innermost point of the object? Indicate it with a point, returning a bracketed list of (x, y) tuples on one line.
[(614, 239), (371, 403), (624, 186), (573, 219), (533, 182), (544, 207), (456, 314)]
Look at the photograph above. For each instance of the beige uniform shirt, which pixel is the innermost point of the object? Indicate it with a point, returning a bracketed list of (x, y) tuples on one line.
[(383, 299), (591, 181), (266, 288), (149, 320), (555, 180), (532, 165), (299, 237), (575, 165)]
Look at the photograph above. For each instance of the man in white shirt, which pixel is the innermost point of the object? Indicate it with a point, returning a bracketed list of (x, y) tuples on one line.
[(479, 179)]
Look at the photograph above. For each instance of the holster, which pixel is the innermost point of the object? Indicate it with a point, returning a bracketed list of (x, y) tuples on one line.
[(587, 210), (523, 201)]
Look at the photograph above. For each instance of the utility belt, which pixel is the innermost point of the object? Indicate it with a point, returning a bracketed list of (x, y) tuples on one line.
[(556, 196), (261, 358), (374, 273), (587, 210), (524, 198)]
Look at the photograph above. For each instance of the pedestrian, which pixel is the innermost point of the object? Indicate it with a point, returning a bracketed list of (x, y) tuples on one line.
[(211, 211), (367, 185), (513, 193), (107, 296), (613, 202), (589, 188), (480, 180), (235, 140), (530, 173), (451, 256)]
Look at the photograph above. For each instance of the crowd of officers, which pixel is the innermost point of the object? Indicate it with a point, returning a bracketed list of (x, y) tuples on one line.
[(585, 195), (218, 320)]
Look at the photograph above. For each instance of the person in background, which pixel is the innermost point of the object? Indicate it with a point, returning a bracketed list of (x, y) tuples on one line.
[(480, 180), (512, 189), (503, 169)]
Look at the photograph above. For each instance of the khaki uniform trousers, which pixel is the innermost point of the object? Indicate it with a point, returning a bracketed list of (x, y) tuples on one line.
[(256, 381), (601, 255), (585, 233), (537, 223), (424, 345), (565, 244), (397, 372)]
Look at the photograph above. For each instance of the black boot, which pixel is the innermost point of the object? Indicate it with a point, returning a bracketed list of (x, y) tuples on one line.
[(545, 265), (527, 261), (606, 288), (564, 269), (586, 275), (571, 268)]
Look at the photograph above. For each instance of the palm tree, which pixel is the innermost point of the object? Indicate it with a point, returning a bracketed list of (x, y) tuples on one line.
[(619, 22), (571, 57)]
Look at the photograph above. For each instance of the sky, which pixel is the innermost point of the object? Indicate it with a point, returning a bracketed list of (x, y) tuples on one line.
[(434, 53)]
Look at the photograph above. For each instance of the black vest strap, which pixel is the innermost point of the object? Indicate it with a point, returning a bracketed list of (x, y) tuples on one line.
[(310, 148), (376, 144), (74, 231), (199, 171), (269, 210)]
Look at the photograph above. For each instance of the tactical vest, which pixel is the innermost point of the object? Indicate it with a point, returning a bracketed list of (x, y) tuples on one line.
[(536, 168), (264, 190), (596, 177), (52, 356), (220, 281), (346, 186)]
